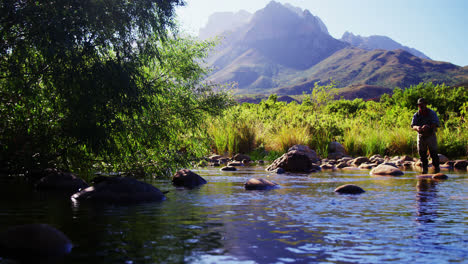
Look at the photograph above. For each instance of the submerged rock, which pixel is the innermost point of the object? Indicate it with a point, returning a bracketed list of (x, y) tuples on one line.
[(461, 164), (437, 176), (120, 190), (33, 243), (228, 168), (260, 184), (386, 170), (349, 189)]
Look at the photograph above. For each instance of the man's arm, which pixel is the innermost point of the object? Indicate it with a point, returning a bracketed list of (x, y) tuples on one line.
[(417, 128)]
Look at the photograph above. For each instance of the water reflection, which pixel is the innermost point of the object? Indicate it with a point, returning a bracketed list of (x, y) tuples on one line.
[(303, 221), (426, 195)]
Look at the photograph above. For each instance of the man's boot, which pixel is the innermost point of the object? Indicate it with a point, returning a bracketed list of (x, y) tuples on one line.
[(424, 169)]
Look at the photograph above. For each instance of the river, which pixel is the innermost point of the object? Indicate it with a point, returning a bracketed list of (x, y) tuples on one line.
[(397, 220)]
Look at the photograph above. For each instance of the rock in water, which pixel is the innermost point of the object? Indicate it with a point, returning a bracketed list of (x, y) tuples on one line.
[(34, 243), (259, 184), (349, 189), (437, 176), (292, 161), (228, 168), (61, 181), (386, 170), (120, 190), (187, 178)]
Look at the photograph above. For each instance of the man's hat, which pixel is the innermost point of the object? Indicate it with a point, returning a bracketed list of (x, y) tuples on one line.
[(422, 101)]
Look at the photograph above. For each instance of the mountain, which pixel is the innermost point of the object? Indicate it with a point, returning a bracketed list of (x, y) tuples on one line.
[(276, 41), (378, 42), (283, 49), (221, 22), (358, 68)]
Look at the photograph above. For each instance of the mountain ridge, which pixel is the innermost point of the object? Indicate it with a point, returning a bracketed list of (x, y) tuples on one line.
[(285, 50)]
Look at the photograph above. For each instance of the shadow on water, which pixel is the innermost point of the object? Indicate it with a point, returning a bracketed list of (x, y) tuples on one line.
[(303, 221)]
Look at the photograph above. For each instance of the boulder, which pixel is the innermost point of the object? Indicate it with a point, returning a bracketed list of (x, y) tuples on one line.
[(120, 190), (279, 171), (349, 189), (293, 161), (215, 157), (335, 147), (460, 164), (402, 159), (33, 243), (446, 166), (386, 170), (439, 176), (259, 184), (335, 155), (228, 168), (66, 182), (311, 154), (450, 163), (346, 160), (342, 164), (187, 178), (359, 160), (241, 157), (223, 160), (235, 164), (367, 166), (442, 159), (327, 166), (377, 160)]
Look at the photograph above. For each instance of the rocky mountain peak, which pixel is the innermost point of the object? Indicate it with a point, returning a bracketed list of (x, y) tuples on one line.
[(221, 22), (277, 20), (378, 42)]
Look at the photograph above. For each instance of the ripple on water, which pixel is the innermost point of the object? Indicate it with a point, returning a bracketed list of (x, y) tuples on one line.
[(397, 220)]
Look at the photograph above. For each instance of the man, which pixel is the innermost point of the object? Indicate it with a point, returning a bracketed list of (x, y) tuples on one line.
[(425, 122)]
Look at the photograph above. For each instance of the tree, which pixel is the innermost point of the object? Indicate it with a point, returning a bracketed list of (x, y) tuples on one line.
[(81, 81)]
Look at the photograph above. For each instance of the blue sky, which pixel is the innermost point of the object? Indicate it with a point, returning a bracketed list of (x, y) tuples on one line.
[(438, 28)]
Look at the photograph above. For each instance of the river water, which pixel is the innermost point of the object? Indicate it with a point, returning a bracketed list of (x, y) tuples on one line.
[(397, 220)]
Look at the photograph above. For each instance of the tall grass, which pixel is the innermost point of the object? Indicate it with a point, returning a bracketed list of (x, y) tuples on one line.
[(364, 128), (231, 136), (286, 137)]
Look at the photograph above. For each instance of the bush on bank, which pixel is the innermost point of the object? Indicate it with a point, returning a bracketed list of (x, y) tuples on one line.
[(363, 127)]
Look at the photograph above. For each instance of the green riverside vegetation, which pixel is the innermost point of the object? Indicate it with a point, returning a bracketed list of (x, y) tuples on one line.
[(268, 129), (111, 86), (100, 86)]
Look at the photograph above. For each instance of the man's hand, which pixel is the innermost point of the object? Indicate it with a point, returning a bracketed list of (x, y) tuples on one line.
[(425, 128)]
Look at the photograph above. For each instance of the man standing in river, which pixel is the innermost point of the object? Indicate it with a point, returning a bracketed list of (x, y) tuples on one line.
[(425, 122)]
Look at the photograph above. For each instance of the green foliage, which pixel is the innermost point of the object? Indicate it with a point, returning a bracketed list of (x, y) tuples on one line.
[(363, 127), (322, 94), (345, 107), (441, 97), (101, 83)]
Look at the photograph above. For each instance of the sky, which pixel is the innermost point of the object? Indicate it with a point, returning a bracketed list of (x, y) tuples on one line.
[(438, 28)]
